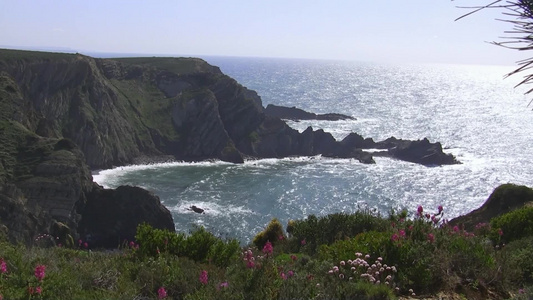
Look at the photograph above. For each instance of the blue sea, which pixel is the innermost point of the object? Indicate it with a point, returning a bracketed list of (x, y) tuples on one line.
[(472, 110)]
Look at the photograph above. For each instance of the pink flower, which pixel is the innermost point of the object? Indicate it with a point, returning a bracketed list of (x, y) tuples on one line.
[(132, 244), (440, 209), (3, 266), (40, 272), (431, 237), (420, 210), (428, 216), (85, 245), (283, 276), (267, 249), (38, 290), (456, 228), (250, 264), (162, 293), (203, 277), (294, 257), (303, 242), (223, 285), (394, 237), (290, 273), (31, 290), (500, 231), (402, 233)]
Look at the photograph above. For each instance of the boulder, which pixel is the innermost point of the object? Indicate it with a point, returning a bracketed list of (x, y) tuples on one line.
[(111, 216)]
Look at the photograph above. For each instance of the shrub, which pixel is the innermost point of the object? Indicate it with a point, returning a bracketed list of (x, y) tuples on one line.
[(199, 246), (273, 232), (514, 225), (328, 229)]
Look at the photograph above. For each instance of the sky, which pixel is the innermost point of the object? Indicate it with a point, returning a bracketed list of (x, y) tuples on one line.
[(408, 31)]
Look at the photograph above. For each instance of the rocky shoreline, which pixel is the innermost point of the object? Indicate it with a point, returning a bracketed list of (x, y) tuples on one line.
[(62, 115)]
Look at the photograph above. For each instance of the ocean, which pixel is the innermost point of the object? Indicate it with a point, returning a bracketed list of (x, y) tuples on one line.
[(473, 111)]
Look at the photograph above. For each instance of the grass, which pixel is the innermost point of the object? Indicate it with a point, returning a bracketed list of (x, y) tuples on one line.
[(177, 65), (374, 258)]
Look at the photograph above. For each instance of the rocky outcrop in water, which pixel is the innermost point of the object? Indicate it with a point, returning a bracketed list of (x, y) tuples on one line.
[(296, 114)]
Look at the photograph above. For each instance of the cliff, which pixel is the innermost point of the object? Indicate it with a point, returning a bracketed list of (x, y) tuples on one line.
[(64, 114)]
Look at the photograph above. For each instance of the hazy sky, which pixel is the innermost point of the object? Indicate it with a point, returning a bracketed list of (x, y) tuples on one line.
[(362, 30)]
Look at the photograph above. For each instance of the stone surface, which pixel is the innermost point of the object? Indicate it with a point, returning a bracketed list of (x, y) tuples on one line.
[(111, 216), (296, 114)]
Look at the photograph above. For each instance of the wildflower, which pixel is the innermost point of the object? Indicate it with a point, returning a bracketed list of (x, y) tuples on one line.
[(358, 254), (79, 243), (500, 231), (38, 290), (294, 257), (250, 264), (380, 258), (428, 216), (440, 209), (85, 245), (341, 276), (30, 290), (132, 244), (420, 210), (431, 237), (281, 238), (3, 266), (402, 233), (456, 228), (223, 285), (283, 276), (367, 256), (267, 249), (40, 272), (521, 291), (303, 242), (162, 293), (290, 273), (203, 277), (343, 263), (394, 237)]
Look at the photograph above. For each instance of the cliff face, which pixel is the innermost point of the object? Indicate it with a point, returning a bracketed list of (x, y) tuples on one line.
[(63, 114)]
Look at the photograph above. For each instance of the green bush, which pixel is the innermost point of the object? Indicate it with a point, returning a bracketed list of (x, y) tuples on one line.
[(514, 225), (312, 232), (273, 233), (199, 246)]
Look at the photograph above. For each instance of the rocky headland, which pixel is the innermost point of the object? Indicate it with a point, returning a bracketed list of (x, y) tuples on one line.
[(296, 114), (65, 114)]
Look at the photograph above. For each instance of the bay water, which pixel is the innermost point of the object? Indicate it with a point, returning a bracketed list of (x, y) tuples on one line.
[(472, 110)]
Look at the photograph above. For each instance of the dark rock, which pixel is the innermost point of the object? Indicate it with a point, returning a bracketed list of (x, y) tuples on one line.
[(505, 198), (196, 209), (112, 216), (422, 152), (296, 114)]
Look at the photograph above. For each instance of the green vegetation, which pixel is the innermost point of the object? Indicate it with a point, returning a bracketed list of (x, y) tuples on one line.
[(175, 65), (370, 257)]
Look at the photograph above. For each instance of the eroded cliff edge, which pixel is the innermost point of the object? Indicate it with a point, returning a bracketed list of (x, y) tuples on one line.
[(64, 114)]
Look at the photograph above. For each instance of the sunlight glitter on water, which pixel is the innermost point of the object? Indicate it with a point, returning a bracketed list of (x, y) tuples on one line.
[(474, 113)]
